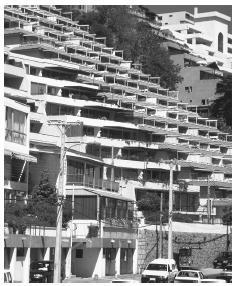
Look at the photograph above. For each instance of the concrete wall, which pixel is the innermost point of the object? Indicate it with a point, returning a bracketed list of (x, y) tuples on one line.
[(203, 254), (92, 263), (201, 89)]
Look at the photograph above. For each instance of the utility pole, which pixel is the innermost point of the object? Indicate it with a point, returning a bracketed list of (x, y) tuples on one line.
[(60, 197), (208, 201), (160, 239), (170, 251)]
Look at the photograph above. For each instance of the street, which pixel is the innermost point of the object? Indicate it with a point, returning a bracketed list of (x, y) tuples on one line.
[(207, 272), (106, 279)]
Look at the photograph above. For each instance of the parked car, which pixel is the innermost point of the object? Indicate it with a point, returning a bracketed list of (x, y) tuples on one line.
[(213, 281), (189, 276), (223, 260), (160, 270), (41, 271), (7, 276), (226, 274), (124, 281)]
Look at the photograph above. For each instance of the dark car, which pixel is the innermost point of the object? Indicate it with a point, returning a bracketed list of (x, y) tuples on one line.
[(224, 259), (227, 274), (41, 271)]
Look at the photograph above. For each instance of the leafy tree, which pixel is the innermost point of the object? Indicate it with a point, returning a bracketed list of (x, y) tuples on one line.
[(41, 208), (15, 215), (137, 39), (221, 108)]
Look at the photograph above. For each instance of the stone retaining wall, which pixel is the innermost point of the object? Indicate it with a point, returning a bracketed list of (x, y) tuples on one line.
[(205, 246)]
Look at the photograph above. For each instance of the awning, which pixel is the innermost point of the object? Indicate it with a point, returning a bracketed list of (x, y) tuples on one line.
[(107, 194), (24, 157)]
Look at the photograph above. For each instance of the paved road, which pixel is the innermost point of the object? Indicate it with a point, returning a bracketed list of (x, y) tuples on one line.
[(207, 272), (107, 279)]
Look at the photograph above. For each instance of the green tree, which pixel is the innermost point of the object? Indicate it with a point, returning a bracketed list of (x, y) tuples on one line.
[(221, 108), (43, 203), (40, 210)]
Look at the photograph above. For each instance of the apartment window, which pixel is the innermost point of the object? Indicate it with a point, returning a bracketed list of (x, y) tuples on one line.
[(189, 41), (15, 126), (38, 88), (27, 68), (188, 89), (203, 102), (52, 90), (230, 41), (207, 75), (188, 16), (79, 253), (220, 42), (230, 50)]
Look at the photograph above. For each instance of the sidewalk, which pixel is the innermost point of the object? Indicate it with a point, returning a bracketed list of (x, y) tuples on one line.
[(106, 279)]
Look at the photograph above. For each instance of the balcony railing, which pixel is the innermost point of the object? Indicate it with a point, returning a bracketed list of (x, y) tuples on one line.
[(15, 136), (92, 182)]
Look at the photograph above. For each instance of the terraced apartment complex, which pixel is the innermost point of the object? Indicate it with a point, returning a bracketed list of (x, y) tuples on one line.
[(123, 132)]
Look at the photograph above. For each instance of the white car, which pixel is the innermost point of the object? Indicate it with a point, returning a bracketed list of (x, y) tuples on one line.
[(124, 281), (189, 276), (160, 270), (213, 281)]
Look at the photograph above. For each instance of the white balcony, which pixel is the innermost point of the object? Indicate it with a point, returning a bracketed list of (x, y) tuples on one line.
[(14, 70), (132, 164), (44, 138), (11, 185)]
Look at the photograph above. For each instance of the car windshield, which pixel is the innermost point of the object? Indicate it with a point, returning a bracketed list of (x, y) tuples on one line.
[(153, 266), (191, 274)]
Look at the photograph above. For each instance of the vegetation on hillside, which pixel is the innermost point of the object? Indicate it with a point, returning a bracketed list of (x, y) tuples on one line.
[(139, 42), (221, 108)]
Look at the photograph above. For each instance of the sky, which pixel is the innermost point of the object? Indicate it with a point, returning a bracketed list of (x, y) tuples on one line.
[(225, 9)]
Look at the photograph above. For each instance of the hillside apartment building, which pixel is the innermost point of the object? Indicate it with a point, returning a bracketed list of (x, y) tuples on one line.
[(202, 45), (122, 131)]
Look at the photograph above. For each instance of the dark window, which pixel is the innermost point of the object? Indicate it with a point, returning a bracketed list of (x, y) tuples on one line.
[(189, 41), (220, 42), (20, 252), (203, 101), (79, 253), (188, 89), (85, 206), (229, 41)]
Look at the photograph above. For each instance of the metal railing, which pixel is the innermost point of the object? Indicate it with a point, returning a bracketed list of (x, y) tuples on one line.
[(15, 136), (92, 182)]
